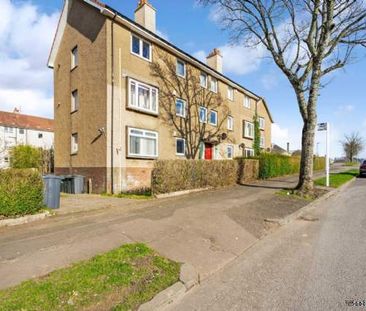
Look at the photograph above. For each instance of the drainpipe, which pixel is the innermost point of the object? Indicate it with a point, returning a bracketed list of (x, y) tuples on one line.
[(112, 106)]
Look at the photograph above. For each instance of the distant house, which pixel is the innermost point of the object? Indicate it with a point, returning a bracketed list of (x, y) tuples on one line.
[(279, 150), (19, 129)]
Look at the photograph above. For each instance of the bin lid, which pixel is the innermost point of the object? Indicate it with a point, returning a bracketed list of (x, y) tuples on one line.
[(52, 177)]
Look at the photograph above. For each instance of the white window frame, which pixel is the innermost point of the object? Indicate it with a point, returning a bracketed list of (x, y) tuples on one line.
[(214, 85), (184, 67), (262, 143), (199, 114), (203, 74), (176, 146), (262, 123), (9, 130), (246, 134), (74, 57), (247, 102), (209, 118), (74, 101), (232, 151), (74, 143), (230, 123), (146, 86), (141, 48), (184, 108), (145, 134), (249, 152), (230, 93), (21, 131)]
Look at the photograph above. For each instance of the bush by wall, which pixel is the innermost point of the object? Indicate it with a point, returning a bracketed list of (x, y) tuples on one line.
[(273, 165), (21, 192), (25, 156), (248, 169), (177, 175)]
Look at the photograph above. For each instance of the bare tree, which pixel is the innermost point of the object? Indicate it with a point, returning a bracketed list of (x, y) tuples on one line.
[(352, 145), (307, 40), (187, 123)]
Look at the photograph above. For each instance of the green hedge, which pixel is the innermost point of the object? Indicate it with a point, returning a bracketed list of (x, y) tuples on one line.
[(21, 192), (248, 169), (177, 175), (273, 165)]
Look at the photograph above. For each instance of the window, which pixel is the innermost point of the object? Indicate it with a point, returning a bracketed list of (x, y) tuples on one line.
[(230, 93), (21, 131), (213, 117), (249, 152), (203, 114), (230, 151), (9, 130), (40, 135), (74, 143), (213, 85), (74, 101), (142, 143), (248, 129), (143, 97), (180, 146), (181, 68), (247, 103), (203, 80), (262, 142), (180, 108), (230, 123), (74, 57), (6, 160), (141, 48), (262, 123)]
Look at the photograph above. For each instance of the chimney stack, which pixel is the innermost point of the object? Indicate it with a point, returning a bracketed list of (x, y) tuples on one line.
[(145, 15), (214, 60)]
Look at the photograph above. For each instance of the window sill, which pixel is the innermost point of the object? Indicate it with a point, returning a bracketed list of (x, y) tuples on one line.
[(247, 137), (73, 154), (136, 157), (73, 68), (141, 57), (74, 111), (151, 113)]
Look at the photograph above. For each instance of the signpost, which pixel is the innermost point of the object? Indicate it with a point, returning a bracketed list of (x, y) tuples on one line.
[(326, 127)]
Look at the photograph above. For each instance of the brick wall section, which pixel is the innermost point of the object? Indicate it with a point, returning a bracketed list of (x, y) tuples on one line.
[(138, 177), (96, 174)]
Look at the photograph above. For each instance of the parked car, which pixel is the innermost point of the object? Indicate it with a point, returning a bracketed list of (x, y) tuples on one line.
[(363, 168)]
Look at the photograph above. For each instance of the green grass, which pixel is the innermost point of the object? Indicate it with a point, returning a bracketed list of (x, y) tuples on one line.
[(146, 195), (121, 279), (338, 179), (290, 193)]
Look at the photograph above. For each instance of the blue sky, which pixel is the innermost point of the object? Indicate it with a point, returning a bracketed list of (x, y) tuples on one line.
[(193, 29)]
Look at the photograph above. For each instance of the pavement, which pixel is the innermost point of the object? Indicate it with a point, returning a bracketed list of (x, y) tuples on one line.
[(315, 263), (207, 230)]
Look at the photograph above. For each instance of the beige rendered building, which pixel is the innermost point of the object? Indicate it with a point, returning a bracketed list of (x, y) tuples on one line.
[(108, 123)]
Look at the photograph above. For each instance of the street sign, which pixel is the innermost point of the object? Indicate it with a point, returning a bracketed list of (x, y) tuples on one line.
[(326, 127), (322, 127)]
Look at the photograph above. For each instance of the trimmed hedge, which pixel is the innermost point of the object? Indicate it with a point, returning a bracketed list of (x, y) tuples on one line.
[(248, 169), (273, 165), (177, 175), (21, 192)]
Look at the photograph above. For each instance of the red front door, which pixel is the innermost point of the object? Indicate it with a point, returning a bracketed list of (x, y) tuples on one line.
[(208, 152)]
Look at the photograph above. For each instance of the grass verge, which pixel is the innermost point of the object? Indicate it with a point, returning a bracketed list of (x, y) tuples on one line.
[(337, 179), (351, 164), (145, 195), (121, 279)]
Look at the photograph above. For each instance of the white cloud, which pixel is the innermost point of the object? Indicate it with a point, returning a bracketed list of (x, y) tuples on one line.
[(238, 59), (282, 136), (345, 109), (26, 36)]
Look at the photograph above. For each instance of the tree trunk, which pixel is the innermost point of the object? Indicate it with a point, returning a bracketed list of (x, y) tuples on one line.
[(306, 183)]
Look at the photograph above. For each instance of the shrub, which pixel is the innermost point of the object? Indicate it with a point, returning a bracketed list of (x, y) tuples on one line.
[(177, 175), (24, 156), (21, 192), (273, 165)]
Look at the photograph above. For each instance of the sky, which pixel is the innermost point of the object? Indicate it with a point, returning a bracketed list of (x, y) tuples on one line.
[(27, 29)]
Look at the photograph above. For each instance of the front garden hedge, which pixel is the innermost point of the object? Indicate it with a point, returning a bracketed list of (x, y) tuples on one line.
[(21, 192), (177, 175)]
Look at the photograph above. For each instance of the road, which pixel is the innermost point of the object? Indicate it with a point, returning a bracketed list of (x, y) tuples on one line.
[(316, 263)]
